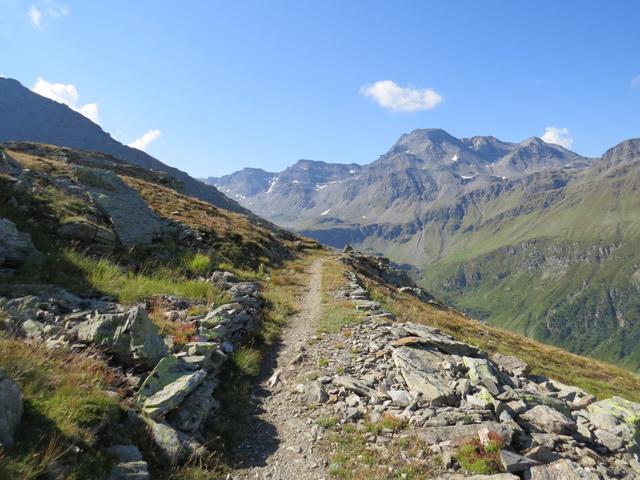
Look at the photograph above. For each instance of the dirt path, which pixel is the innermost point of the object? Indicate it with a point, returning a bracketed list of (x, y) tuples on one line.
[(278, 443)]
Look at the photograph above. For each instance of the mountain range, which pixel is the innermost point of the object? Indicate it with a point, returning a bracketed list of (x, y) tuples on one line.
[(529, 236), (27, 116)]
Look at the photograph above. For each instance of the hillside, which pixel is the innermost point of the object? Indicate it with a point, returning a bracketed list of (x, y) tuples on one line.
[(526, 235), (27, 116)]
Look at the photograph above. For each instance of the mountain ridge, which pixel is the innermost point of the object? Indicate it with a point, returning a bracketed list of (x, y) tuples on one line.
[(28, 116)]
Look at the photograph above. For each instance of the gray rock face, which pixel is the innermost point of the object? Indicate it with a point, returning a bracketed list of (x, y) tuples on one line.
[(11, 409), (548, 420), (133, 221), (15, 246), (423, 375), (130, 471), (130, 336)]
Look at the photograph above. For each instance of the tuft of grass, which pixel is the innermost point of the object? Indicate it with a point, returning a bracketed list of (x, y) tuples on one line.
[(248, 360), (478, 459), (196, 263)]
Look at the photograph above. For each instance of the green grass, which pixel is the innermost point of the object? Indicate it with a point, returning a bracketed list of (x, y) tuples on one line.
[(197, 263), (247, 360), (336, 313), (478, 459), (63, 406)]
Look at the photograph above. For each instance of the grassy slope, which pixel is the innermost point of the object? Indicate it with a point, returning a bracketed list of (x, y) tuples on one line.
[(577, 299)]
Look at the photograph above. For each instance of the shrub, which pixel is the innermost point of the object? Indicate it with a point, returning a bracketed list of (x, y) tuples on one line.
[(479, 459)]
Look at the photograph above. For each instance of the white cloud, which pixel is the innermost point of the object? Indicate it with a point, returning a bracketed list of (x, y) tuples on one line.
[(67, 94), (389, 94), (142, 142), (46, 9), (635, 81), (559, 136), (35, 16)]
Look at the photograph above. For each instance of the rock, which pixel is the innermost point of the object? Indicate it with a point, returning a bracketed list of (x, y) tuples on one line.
[(616, 422), (514, 463), (131, 218), (314, 393), (168, 385), (130, 471), (130, 336), (367, 306), (496, 476), (434, 435), (513, 365), (546, 419), (353, 385), (33, 329), (562, 469), (87, 232), (174, 445), (542, 454), (482, 373), (481, 399), (214, 357), (196, 407), (15, 246), (421, 371), (447, 344), (400, 397), (11, 409), (125, 453), (533, 399)]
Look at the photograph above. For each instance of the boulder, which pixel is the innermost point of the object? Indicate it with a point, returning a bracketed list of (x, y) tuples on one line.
[(421, 371), (616, 422), (132, 220), (562, 469), (130, 336), (11, 409), (15, 246), (482, 374), (512, 365), (548, 420)]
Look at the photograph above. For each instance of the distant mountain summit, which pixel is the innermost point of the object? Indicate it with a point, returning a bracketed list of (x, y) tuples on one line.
[(528, 235), (424, 166), (27, 116)]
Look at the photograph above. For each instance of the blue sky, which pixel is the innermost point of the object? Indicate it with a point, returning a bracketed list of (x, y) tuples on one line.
[(220, 85)]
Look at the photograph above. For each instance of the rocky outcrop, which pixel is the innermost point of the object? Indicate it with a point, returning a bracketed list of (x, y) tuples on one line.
[(11, 409), (15, 246), (449, 393), (132, 220), (130, 336)]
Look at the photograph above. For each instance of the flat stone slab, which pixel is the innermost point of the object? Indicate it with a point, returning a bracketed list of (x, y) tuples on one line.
[(421, 370), (562, 469), (435, 435)]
